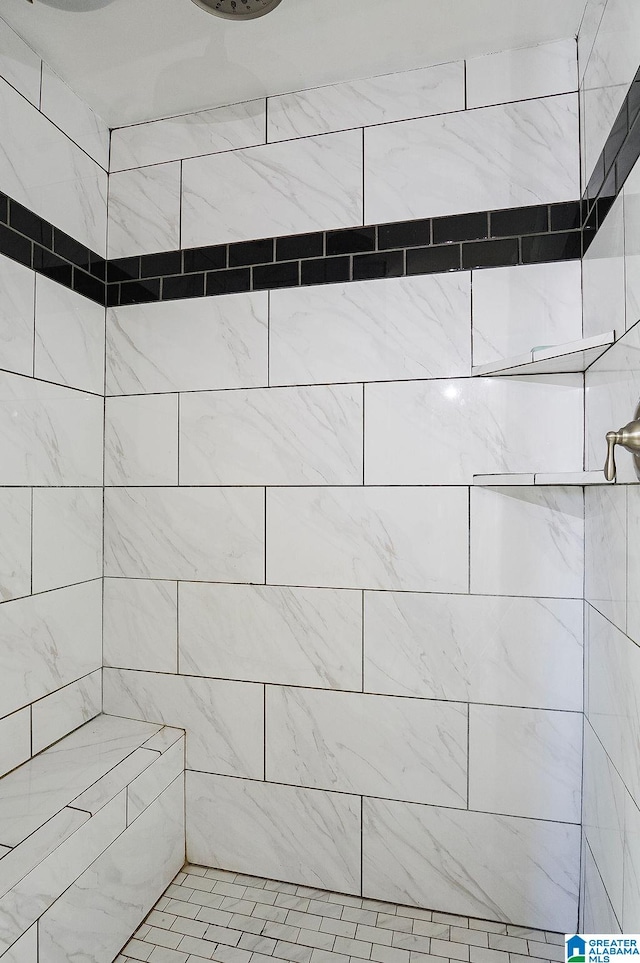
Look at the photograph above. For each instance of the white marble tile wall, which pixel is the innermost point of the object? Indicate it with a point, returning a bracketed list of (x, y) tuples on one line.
[(189, 135), (611, 787), (502, 156), (52, 344), (288, 538), (522, 74), (42, 168)]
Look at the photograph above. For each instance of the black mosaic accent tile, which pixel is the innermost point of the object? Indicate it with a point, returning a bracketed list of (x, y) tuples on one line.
[(383, 264), (251, 252), (231, 281), (15, 246), (326, 270), (184, 286), (52, 266), (97, 266), (595, 181), (157, 265), (26, 222), (432, 260), (565, 217), (205, 258), (140, 292), (551, 247), (404, 234), (112, 299), (353, 240), (633, 100), (299, 246), (461, 227), (68, 248), (616, 138), (500, 253), (519, 220), (4, 208), (123, 269), (89, 286), (283, 275), (628, 155)]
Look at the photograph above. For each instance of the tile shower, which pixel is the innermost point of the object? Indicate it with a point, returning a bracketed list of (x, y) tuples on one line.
[(241, 505)]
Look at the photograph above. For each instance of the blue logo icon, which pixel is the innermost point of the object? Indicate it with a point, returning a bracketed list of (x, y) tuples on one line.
[(576, 949)]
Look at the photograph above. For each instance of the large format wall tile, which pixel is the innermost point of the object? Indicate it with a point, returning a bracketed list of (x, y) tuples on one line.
[(516, 309), (144, 210), (596, 911), (603, 817), (224, 721), (506, 156), (601, 107), (69, 337), (49, 640), (281, 832), (606, 551), (67, 536), (409, 749), (527, 542), (361, 103), (613, 696), (391, 329), (15, 544), (389, 538), (188, 345), (588, 31), (525, 762), (633, 563), (214, 534), (632, 245), (510, 651), (105, 904), (272, 436), (46, 172), (15, 740), (141, 624), (16, 315), (63, 711), (612, 392), (631, 882), (494, 867), (19, 64), (202, 132), (549, 68), (74, 117), (616, 49), (292, 636), (50, 435), (444, 432), (310, 185), (603, 276), (141, 440)]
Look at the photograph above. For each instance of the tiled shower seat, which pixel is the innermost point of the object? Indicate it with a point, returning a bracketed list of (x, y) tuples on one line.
[(75, 821)]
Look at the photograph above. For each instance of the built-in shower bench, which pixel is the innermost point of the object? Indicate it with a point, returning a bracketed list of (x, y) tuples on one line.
[(91, 833)]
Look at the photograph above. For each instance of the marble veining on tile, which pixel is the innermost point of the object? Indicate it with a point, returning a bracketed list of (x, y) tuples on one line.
[(361, 103), (307, 185), (35, 792), (491, 157), (144, 210), (15, 545), (16, 316)]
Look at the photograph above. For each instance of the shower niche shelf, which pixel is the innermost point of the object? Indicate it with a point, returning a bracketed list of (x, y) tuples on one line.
[(557, 359), (538, 479)]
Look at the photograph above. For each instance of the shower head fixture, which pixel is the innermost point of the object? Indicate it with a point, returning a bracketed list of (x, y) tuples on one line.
[(238, 9)]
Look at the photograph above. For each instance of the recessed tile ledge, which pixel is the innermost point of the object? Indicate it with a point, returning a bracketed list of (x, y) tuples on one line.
[(574, 356), (64, 807), (527, 479)]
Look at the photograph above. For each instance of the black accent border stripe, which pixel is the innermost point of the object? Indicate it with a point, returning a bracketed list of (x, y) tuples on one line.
[(497, 238)]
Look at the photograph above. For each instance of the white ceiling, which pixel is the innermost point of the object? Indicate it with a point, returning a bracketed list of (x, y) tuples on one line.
[(134, 60)]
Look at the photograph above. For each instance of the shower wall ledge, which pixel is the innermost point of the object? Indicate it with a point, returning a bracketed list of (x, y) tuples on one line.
[(573, 356), (527, 479), (91, 825)]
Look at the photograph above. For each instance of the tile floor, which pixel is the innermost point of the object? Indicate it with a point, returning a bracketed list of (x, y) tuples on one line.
[(211, 914)]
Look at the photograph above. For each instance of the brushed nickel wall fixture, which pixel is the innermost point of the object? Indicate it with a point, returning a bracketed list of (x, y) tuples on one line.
[(629, 438), (238, 9)]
